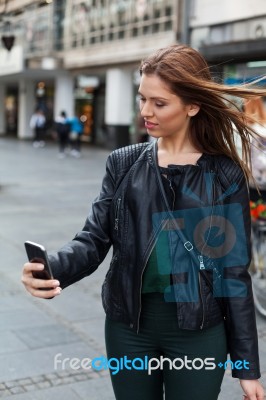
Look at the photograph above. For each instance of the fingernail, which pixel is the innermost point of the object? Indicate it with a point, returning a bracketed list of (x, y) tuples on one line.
[(58, 290), (56, 283)]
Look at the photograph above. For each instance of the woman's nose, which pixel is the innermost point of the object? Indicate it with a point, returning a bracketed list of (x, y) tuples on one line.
[(146, 110)]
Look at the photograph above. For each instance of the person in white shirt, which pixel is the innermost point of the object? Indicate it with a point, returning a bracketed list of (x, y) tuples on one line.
[(37, 124)]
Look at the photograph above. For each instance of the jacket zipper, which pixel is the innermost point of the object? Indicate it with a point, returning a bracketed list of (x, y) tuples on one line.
[(140, 305), (172, 190), (201, 299), (117, 213), (145, 264), (201, 263), (202, 266)]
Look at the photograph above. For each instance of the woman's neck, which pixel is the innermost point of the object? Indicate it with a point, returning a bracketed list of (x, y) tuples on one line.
[(176, 152)]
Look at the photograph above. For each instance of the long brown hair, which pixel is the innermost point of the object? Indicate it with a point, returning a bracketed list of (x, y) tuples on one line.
[(254, 109), (213, 129)]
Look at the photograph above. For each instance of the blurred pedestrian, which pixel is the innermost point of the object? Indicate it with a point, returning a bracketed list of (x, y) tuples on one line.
[(38, 125), (62, 128), (76, 131)]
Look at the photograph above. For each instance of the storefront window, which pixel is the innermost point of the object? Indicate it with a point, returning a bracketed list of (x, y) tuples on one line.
[(37, 25), (85, 89), (107, 20), (58, 25), (11, 110)]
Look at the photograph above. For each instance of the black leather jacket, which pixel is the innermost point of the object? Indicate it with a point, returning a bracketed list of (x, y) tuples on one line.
[(129, 214)]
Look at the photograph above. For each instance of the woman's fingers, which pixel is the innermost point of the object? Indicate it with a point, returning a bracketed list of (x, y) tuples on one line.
[(29, 267), (39, 287), (45, 294)]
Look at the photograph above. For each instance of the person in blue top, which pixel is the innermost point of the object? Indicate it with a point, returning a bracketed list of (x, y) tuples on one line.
[(76, 130)]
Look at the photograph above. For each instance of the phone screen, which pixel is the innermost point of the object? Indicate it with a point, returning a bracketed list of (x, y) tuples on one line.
[(37, 253)]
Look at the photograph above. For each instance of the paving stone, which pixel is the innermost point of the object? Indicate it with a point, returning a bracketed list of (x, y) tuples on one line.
[(40, 361), (50, 377), (10, 384), (64, 373), (19, 301), (43, 385), (4, 393), (76, 371), (37, 379), (30, 388), (57, 382), (93, 375), (23, 382), (81, 377), (16, 320), (74, 306), (58, 393), (94, 329), (17, 389), (10, 343), (44, 336), (68, 379)]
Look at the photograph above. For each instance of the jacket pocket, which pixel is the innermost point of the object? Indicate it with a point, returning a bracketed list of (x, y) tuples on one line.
[(110, 289)]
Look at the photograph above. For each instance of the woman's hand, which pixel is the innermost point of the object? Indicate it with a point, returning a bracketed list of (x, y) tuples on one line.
[(253, 389), (42, 288)]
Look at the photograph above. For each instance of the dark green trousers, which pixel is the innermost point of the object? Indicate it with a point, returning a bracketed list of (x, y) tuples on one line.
[(159, 335)]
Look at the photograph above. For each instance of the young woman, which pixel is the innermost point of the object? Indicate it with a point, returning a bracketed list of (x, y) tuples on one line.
[(178, 294)]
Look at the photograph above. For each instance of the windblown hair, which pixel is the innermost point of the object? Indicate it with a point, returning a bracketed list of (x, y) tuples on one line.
[(213, 128), (254, 109)]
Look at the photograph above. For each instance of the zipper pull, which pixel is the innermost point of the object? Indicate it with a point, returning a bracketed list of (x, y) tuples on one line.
[(117, 209), (201, 264)]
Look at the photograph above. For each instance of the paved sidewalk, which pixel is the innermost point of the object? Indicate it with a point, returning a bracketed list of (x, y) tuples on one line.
[(46, 200)]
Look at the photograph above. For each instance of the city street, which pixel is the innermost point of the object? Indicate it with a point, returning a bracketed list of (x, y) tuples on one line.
[(46, 199)]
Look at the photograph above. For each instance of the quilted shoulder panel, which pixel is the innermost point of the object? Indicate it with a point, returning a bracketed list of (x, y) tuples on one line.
[(125, 157), (229, 171)]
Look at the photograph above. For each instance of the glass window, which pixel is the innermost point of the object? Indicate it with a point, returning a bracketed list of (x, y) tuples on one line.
[(108, 20)]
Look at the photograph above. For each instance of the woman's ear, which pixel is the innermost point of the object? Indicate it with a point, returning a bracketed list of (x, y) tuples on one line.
[(193, 110)]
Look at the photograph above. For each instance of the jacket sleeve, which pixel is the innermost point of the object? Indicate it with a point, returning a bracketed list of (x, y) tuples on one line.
[(240, 310), (81, 256)]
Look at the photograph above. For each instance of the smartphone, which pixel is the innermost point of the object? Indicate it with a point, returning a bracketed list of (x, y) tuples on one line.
[(37, 253)]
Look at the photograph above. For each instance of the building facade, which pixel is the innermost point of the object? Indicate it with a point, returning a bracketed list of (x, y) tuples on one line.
[(81, 56), (231, 34)]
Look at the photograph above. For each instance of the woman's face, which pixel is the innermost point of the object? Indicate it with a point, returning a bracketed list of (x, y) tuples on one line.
[(164, 113)]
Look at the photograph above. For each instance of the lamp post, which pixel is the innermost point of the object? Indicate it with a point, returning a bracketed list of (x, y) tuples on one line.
[(8, 39)]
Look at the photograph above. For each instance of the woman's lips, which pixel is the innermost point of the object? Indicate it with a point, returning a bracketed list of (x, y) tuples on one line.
[(150, 125)]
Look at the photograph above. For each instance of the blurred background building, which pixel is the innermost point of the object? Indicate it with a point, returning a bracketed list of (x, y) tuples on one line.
[(82, 56), (231, 35)]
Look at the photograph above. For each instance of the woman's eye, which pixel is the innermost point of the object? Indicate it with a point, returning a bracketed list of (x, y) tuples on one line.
[(159, 104), (142, 99)]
